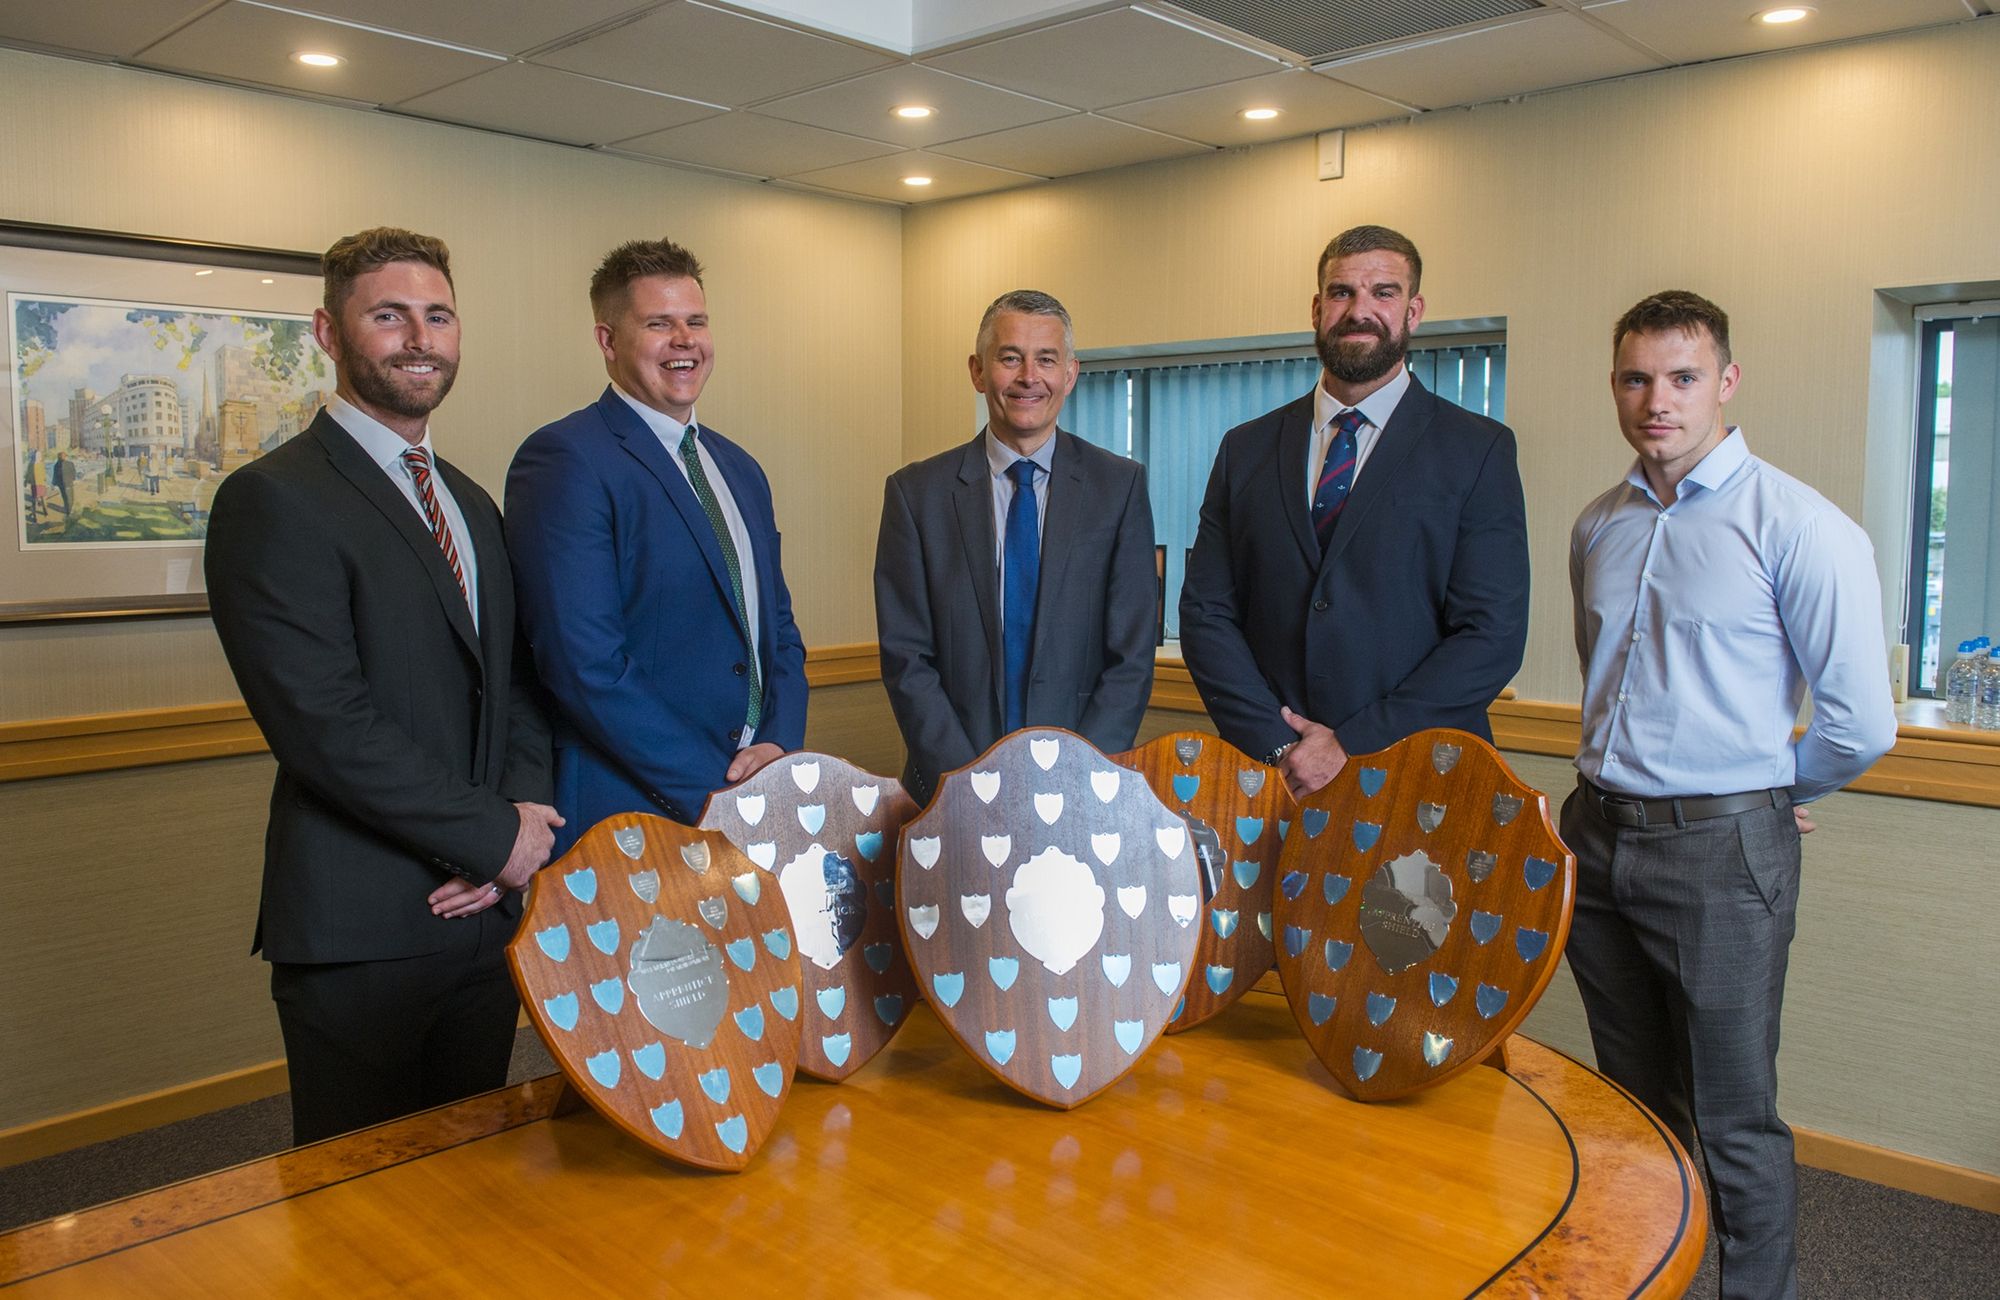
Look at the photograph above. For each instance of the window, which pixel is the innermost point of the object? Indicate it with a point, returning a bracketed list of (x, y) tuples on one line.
[(1170, 414), (1954, 583)]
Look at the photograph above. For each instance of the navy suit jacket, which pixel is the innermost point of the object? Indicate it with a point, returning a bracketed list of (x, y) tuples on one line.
[(629, 611), (1416, 617)]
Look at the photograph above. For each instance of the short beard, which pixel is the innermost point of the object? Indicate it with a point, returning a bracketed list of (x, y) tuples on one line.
[(1358, 364), (374, 382)]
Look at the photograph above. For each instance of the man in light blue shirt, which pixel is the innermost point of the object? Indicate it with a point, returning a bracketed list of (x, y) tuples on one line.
[(1711, 590)]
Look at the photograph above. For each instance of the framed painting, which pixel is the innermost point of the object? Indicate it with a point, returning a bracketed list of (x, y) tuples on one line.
[(140, 372)]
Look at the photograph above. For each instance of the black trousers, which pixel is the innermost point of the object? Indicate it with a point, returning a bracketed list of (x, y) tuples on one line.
[(1679, 944), (371, 1040)]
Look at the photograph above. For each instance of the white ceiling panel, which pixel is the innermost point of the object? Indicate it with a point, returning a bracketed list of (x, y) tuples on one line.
[(861, 107), (701, 53), (502, 26), (1068, 145), (240, 42), (882, 178), (1551, 49), (1108, 58), (1688, 31), (552, 105), (118, 28), (1305, 103), (753, 145)]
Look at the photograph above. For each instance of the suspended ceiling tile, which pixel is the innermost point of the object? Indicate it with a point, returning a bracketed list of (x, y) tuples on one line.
[(882, 178), (750, 144), (1108, 58), (1551, 49), (118, 28), (502, 26), (1305, 103), (1068, 145), (241, 42), (552, 105), (1688, 31), (861, 107), (696, 52)]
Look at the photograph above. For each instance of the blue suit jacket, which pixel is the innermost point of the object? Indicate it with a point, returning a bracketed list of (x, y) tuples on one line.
[(627, 606)]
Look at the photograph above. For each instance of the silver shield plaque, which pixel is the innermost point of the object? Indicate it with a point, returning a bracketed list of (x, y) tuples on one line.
[(1479, 864), (631, 841), (1445, 757), (1505, 809), (1430, 816), (1187, 750), (678, 981), (1250, 780), (1406, 911)]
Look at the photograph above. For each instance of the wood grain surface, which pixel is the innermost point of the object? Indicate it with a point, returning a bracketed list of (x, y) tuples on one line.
[(1245, 806), (658, 965), (1048, 902), (1551, 1182), (827, 831), (1480, 876)]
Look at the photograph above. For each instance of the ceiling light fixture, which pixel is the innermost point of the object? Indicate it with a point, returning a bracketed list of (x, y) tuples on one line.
[(206, 271), (1789, 14), (918, 181), (267, 280), (913, 112), (1258, 114), (315, 59)]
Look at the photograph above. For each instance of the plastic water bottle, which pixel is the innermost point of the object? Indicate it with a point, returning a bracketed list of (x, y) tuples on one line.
[(1986, 713), (1961, 682)]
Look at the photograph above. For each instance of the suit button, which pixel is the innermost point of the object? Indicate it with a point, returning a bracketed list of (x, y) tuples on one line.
[(738, 669), (1320, 605)]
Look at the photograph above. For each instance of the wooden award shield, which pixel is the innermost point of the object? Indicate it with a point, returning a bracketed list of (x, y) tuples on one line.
[(825, 832), (657, 965), (1423, 900), (1049, 904), (1238, 814)]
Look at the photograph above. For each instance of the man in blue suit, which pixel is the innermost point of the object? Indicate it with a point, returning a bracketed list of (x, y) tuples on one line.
[(646, 556)]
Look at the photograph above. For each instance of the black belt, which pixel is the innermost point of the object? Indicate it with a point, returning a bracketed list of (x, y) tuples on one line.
[(1623, 810)]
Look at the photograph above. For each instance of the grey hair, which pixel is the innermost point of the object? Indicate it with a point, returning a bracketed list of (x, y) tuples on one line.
[(1029, 302)]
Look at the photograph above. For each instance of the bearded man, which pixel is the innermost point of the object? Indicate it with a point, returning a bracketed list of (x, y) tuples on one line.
[(1361, 568)]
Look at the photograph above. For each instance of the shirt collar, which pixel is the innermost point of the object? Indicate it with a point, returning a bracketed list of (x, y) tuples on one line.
[(1710, 473), (1000, 457), (384, 445), (1376, 408), (665, 427)]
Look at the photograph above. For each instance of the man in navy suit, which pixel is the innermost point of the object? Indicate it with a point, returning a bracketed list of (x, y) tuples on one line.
[(646, 555), (1361, 568)]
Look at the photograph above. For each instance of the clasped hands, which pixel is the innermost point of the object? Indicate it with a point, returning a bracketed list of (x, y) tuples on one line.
[(459, 897)]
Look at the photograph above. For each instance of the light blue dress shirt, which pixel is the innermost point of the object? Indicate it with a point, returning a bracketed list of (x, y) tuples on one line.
[(386, 447), (999, 459), (1701, 624)]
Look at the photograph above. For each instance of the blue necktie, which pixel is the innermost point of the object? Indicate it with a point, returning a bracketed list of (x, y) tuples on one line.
[(1022, 578), (1330, 497)]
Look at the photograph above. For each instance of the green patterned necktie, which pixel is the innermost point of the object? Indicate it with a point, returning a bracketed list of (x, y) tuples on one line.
[(698, 478)]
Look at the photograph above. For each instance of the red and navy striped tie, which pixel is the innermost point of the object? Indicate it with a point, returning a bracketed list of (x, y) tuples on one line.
[(1330, 497), (419, 463)]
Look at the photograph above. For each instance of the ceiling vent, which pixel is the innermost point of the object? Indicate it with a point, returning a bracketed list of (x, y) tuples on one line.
[(1319, 30)]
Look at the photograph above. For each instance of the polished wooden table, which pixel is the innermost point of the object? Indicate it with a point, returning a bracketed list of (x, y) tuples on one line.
[(1227, 1163)]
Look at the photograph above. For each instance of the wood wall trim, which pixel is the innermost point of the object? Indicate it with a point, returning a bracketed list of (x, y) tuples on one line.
[(116, 1119)]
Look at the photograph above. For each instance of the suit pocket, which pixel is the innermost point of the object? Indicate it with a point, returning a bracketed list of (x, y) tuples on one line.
[(1771, 856)]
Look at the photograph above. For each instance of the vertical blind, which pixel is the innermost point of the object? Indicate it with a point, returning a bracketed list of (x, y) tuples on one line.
[(1172, 418)]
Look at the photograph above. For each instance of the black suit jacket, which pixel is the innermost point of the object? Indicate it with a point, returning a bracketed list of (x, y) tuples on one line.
[(938, 605), (402, 735), (1416, 617)]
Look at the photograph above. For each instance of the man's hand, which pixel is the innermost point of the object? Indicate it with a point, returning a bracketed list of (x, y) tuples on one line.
[(459, 897), (1314, 760), (531, 846), (1803, 817), (749, 762)]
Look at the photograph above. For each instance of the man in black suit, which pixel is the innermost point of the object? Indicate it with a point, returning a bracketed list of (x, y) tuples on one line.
[(1014, 580), (362, 593), (1361, 568)]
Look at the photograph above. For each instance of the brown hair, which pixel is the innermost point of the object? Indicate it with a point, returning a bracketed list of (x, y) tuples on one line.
[(356, 255), (1372, 239), (1675, 309), (636, 260)]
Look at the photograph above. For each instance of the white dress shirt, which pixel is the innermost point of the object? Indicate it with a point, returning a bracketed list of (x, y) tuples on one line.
[(386, 447), (1700, 625), (1376, 408), (999, 459)]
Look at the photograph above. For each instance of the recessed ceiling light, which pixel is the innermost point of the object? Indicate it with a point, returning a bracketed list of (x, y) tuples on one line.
[(913, 111), (1258, 114), (267, 280), (1789, 14), (315, 59), (919, 181), (205, 271)]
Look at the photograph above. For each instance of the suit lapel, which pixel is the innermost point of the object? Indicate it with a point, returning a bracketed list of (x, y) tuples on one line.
[(1067, 503), (1378, 477), (1294, 439), (973, 500), (368, 478)]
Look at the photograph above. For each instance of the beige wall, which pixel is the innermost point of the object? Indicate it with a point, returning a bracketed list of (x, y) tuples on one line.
[(805, 292), (1787, 187)]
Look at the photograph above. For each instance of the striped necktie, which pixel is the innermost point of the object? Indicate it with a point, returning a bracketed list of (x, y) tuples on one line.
[(698, 479), (1330, 497), (418, 462)]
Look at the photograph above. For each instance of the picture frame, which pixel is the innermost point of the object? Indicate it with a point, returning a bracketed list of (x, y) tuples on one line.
[(139, 372)]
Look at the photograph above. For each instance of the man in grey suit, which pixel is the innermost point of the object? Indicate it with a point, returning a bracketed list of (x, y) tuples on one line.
[(1014, 578)]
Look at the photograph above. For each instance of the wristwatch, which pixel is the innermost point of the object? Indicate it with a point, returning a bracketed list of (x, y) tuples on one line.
[(1271, 759)]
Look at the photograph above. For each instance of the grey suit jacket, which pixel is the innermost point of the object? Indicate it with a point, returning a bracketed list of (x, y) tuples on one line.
[(938, 605)]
